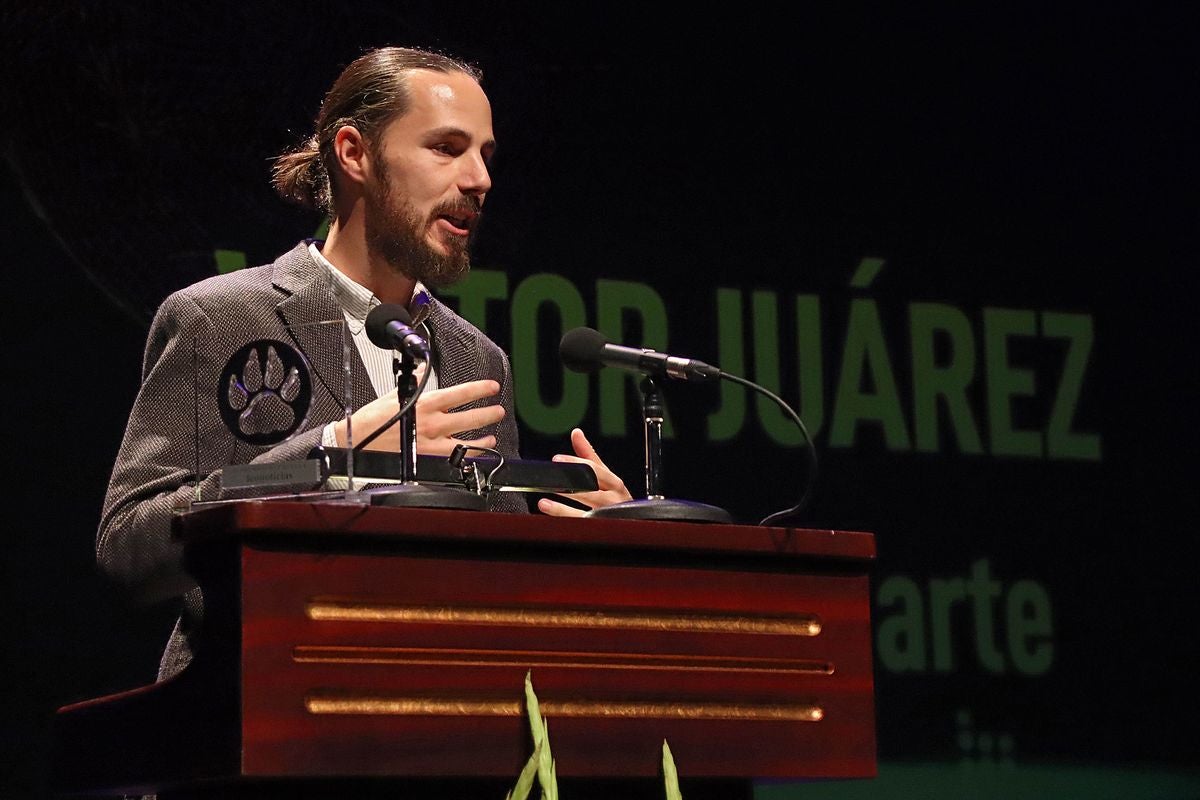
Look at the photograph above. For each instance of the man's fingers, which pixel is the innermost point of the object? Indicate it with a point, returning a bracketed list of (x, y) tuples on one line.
[(441, 425), (605, 477), (434, 420), (453, 396), (583, 448), (554, 509), (445, 446), (471, 419), (611, 489), (483, 441)]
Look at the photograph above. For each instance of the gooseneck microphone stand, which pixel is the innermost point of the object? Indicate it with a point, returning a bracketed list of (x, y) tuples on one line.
[(653, 415), (587, 350), (410, 493), (406, 387), (656, 506)]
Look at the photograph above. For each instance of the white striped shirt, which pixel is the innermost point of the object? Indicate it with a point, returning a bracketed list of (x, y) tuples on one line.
[(357, 301)]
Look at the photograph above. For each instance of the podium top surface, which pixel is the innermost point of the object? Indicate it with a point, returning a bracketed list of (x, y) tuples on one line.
[(341, 518)]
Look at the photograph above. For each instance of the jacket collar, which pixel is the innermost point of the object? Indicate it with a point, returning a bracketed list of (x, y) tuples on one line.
[(317, 324)]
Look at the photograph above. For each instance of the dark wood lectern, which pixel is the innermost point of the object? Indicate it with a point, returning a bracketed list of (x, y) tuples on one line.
[(344, 641)]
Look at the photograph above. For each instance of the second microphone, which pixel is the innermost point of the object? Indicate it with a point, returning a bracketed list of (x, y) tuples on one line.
[(587, 350)]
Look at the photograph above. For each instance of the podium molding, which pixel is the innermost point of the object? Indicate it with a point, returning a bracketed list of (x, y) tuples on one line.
[(367, 643)]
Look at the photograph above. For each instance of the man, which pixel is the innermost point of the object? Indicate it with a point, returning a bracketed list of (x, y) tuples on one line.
[(399, 161)]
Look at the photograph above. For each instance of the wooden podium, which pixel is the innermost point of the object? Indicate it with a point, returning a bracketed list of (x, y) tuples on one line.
[(384, 645)]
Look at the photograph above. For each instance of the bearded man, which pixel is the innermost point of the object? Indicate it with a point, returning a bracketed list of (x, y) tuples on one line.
[(399, 162)]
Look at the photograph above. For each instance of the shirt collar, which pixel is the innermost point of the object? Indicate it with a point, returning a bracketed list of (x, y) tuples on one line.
[(357, 300)]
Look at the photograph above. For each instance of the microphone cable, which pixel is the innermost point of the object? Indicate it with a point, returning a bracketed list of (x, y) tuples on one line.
[(399, 414), (778, 516), (588, 350)]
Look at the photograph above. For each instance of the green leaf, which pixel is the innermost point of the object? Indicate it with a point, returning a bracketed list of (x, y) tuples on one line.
[(546, 773), (535, 713), (528, 773), (670, 775), (541, 740)]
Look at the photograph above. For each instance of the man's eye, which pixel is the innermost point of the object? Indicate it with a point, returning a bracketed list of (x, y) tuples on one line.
[(444, 149)]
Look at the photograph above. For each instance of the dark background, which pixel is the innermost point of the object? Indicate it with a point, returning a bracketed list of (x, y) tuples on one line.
[(1022, 159)]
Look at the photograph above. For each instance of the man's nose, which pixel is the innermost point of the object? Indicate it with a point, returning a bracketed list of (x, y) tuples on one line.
[(475, 178)]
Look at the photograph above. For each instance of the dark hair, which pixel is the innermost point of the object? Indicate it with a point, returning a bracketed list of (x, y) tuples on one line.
[(370, 91)]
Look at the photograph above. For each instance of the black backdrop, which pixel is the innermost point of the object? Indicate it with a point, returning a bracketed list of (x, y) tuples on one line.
[(1006, 160)]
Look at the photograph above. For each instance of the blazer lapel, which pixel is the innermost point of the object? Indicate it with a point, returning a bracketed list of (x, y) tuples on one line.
[(316, 323), (456, 355)]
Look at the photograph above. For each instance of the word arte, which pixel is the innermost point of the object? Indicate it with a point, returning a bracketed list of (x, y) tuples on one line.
[(1012, 625)]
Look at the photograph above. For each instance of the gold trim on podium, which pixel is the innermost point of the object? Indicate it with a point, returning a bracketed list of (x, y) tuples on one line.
[(331, 703), (326, 610), (455, 657)]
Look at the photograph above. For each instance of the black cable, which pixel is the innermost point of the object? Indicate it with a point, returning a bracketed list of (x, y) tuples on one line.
[(399, 414), (772, 519)]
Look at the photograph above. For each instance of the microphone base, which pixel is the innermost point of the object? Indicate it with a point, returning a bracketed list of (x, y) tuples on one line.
[(420, 495), (664, 510)]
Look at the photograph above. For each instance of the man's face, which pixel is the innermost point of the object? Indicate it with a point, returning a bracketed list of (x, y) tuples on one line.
[(429, 178)]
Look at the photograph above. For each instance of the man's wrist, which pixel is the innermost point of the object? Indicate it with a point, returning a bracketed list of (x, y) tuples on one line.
[(334, 434)]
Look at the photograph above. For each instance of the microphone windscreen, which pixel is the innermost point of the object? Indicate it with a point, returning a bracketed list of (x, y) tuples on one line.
[(581, 348), (378, 319)]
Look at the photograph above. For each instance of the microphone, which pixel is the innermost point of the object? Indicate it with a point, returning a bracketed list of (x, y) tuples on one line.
[(587, 350), (389, 326)]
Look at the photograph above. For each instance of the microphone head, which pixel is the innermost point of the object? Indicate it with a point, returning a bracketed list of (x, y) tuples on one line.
[(581, 348), (378, 319)]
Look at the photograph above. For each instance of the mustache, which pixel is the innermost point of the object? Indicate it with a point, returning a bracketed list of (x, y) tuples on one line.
[(468, 204)]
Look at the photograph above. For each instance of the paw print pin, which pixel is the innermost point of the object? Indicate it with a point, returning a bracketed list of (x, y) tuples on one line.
[(265, 392)]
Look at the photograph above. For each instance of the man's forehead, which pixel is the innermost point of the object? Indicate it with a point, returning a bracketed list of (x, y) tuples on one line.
[(442, 92), (446, 89), (449, 100)]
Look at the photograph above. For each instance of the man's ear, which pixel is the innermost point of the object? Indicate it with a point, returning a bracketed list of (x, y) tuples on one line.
[(351, 153)]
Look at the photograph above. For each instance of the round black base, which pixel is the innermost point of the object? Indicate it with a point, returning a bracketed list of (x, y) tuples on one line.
[(664, 510), (419, 495)]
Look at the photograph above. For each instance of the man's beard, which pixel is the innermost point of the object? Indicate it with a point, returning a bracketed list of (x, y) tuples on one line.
[(395, 232)]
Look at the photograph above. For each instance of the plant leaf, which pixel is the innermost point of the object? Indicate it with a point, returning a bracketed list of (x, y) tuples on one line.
[(546, 774), (535, 713), (670, 775), (528, 773), (541, 740)]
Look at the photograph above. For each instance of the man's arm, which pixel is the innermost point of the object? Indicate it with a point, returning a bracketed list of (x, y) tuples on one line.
[(155, 471)]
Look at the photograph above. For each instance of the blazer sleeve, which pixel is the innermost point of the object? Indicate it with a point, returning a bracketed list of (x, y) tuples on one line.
[(156, 473)]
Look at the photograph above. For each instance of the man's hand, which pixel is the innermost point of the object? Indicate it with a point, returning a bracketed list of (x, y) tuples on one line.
[(612, 488), (436, 423)]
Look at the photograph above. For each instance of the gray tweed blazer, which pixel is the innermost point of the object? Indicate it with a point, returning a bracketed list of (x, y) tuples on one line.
[(194, 333)]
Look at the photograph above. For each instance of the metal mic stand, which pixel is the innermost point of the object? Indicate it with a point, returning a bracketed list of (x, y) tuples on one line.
[(655, 506), (408, 492)]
